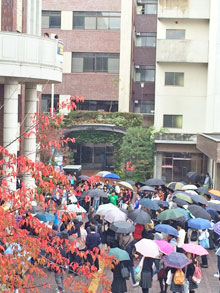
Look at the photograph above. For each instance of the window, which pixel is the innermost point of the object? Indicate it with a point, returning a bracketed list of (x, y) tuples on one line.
[(174, 78), (46, 103), (95, 62), (51, 19), (146, 40), (149, 8), (102, 106), (143, 107), (144, 74), (172, 121), (96, 20), (175, 34)]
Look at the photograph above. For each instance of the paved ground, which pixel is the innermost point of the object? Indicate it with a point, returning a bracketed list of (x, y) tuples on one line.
[(209, 283)]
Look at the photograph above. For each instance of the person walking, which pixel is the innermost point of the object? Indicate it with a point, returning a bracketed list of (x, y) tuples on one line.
[(146, 274), (118, 283), (92, 242)]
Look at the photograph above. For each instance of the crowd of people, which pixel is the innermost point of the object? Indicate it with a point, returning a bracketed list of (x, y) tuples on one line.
[(181, 219)]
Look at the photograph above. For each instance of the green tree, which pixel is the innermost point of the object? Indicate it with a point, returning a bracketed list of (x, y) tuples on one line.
[(138, 148)]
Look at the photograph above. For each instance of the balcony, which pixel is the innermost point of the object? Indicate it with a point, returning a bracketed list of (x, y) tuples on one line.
[(29, 58), (183, 138), (182, 51), (194, 9)]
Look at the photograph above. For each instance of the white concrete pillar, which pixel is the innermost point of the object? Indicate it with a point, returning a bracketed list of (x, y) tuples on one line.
[(30, 141), (158, 165), (10, 125)]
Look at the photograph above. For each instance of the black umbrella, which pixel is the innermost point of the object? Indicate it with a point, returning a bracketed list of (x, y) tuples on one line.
[(139, 183), (94, 193), (130, 182), (180, 202), (139, 217), (193, 176), (162, 203), (214, 206), (202, 190), (147, 188), (122, 227), (154, 182), (198, 212), (198, 198)]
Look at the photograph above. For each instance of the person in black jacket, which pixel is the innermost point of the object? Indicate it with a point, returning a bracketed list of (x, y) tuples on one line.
[(118, 282), (146, 274), (92, 241)]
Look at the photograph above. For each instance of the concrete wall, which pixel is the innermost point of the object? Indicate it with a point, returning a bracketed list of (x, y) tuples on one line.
[(213, 93), (189, 101)]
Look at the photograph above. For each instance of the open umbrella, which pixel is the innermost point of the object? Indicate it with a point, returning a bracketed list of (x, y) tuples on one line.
[(162, 203), (176, 260), (164, 246), (183, 195), (112, 176), (180, 202), (148, 248), (149, 204), (175, 185), (167, 229), (199, 223), (194, 249), (193, 176), (189, 187), (84, 177), (198, 212), (139, 183), (139, 216), (104, 208), (113, 216), (122, 227), (217, 228), (214, 206), (198, 198), (125, 184), (103, 173), (171, 214), (202, 190), (215, 193), (154, 182), (75, 208), (94, 193), (147, 188), (214, 215), (131, 182), (185, 213), (45, 217), (119, 253)]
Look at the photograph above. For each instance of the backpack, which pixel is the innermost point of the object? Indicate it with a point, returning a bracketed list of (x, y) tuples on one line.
[(179, 277), (194, 236), (197, 276)]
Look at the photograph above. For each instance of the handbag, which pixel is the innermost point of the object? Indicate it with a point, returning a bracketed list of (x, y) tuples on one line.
[(125, 272), (205, 243), (138, 270)]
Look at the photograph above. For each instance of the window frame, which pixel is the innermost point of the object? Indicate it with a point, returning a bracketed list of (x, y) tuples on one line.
[(176, 30), (172, 116), (98, 16), (50, 14), (145, 35), (144, 103), (174, 78), (147, 68), (96, 57)]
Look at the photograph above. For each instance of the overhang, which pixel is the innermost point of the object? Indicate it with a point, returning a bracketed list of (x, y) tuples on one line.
[(209, 144), (98, 127)]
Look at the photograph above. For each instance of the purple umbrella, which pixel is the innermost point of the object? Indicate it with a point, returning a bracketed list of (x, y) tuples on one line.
[(217, 228), (176, 260)]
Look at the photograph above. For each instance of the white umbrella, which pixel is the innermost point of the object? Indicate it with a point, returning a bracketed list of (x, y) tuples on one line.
[(73, 199), (75, 208), (147, 248), (105, 208), (113, 216), (103, 173), (189, 187), (125, 184)]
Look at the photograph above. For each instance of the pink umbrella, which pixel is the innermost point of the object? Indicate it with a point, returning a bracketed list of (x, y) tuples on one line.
[(164, 246), (194, 249)]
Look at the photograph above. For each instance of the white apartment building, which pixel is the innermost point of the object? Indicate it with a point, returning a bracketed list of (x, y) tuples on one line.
[(187, 93)]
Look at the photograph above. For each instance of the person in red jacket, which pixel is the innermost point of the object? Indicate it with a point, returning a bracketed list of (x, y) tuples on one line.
[(137, 234)]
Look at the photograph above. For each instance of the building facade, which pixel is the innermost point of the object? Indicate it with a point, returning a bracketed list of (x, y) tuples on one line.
[(26, 61), (187, 94)]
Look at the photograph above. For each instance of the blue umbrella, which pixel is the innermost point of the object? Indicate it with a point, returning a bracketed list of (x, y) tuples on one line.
[(112, 176), (167, 229), (176, 260), (185, 213), (199, 223), (162, 203), (45, 217), (149, 204), (213, 214)]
